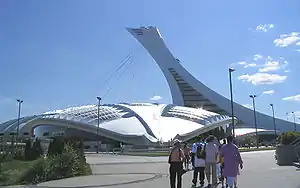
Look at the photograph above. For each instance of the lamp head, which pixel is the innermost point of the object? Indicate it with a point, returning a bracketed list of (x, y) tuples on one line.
[(99, 98), (231, 69)]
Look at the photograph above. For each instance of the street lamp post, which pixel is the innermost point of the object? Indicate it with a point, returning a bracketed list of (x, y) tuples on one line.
[(98, 122), (14, 139), (254, 113), (19, 114), (274, 123), (230, 70), (295, 127)]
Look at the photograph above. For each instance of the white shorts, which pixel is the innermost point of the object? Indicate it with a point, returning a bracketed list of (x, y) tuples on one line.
[(231, 180)]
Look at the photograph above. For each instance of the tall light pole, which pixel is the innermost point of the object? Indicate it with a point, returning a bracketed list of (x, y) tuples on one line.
[(287, 116), (15, 138), (254, 112), (295, 128), (274, 123), (98, 121), (230, 70), (19, 114)]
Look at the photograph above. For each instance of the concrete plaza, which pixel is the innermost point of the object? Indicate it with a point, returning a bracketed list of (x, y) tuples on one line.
[(260, 171)]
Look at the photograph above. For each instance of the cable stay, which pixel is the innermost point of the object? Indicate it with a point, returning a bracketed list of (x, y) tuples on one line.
[(121, 65), (119, 76), (112, 73)]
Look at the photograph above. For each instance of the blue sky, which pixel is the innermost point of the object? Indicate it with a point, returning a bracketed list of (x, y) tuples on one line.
[(56, 54)]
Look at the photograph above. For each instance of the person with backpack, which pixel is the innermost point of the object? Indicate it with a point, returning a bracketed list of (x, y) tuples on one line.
[(212, 152), (199, 165), (176, 159)]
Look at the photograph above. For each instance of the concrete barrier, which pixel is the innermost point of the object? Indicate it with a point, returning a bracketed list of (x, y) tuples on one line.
[(286, 155)]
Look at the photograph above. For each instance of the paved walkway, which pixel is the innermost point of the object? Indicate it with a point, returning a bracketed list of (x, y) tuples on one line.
[(260, 171)]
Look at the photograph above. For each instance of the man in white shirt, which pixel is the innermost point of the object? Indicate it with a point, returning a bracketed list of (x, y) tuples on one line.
[(212, 152)]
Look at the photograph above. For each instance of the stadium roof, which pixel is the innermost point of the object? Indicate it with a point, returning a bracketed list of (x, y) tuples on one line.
[(138, 122)]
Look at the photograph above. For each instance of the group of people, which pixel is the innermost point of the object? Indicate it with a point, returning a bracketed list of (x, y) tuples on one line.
[(218, 162)]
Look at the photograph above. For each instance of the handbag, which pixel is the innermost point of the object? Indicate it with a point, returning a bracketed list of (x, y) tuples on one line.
[(182, 170)]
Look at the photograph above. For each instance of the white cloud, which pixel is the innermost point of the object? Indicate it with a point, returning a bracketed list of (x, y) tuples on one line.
[(287, 71), (269, 92), (298, 50), (287, 39), (156, 98), (270, 66), (250, 65), (273, 65), (262, 78), (242, 63), (292, 98), (257, 57), (264, 27), (246, 64)]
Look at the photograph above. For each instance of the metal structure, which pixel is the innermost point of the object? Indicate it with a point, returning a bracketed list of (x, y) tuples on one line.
[(19, 115), (274, 121), (295, 126), (255, 123), (186, 90), (136, 123), (98, 122), (230, 70), (15, 136)]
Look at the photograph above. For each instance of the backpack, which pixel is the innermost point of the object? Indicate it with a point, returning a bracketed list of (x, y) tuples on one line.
[(169, 161), (201, 153)]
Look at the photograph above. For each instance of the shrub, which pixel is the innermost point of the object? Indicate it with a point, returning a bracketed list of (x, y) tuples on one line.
[(33, 152), (69, 163), (19, 154), (56, 147), (27, 151), (35, 173), (288, 137), (37, 150)]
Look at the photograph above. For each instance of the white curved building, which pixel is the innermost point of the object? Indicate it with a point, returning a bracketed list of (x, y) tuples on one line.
[(138, 124), (196, 109), (186, 90)]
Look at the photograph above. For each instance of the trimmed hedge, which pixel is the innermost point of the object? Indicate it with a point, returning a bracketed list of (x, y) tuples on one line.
[(288, 137)]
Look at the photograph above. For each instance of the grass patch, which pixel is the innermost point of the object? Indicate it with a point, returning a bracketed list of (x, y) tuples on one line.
[(11, 171), (162, 154)]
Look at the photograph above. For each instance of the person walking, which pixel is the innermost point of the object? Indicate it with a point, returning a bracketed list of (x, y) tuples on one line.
[(212, 152), (176, 159), (232, 160), (186, 151), (199, 165)]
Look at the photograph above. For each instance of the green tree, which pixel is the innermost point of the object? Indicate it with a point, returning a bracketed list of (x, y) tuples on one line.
[(56, 146)]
